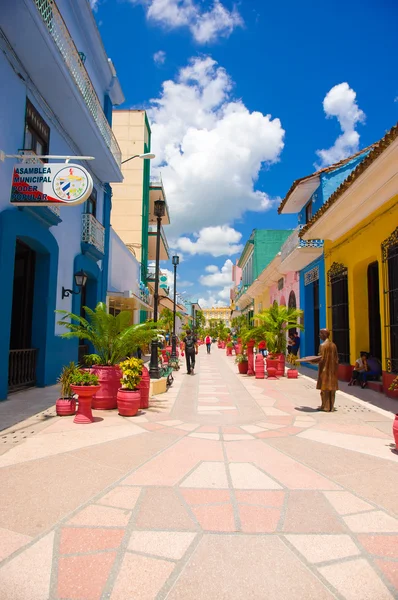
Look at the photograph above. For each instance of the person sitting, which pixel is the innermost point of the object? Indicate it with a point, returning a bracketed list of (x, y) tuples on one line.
[(373, 371), (361, 366)]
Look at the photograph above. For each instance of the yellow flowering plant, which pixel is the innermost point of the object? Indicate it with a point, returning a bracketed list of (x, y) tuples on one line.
[(132, 373)]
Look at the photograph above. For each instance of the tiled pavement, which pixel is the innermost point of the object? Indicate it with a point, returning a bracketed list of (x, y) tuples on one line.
[(228, 487)]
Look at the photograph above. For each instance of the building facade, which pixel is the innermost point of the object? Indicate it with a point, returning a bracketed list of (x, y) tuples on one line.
[(359, 226), (259, 262), (219, 313), (58, 90), (305, 198)]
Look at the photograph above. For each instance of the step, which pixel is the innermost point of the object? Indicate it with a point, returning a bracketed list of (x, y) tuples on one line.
[(376, 386)]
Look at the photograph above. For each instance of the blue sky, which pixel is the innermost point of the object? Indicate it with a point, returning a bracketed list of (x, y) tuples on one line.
[(210, 72)]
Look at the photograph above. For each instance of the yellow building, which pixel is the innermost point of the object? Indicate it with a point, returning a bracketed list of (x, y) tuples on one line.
[(359, 225), (221, 313)]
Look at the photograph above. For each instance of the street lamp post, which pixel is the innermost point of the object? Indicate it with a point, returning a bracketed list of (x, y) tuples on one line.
[(159, 211), (175, 260), (147, 155)]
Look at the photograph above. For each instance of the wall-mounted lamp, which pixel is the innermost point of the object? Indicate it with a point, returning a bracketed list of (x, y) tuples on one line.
[(80, 281)]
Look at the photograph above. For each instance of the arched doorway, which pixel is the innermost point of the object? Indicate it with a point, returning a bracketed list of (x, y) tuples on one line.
[(292, 304)]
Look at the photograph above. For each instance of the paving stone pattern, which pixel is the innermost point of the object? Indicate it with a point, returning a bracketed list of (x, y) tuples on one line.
[(227, 487)]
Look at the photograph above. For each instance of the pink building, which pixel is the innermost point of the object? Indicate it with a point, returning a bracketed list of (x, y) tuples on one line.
[(286, 290)]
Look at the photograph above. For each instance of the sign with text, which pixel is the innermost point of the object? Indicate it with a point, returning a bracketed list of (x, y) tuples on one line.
[(50, 183)]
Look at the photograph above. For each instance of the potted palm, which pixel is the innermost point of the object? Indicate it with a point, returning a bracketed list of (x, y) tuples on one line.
[(273, 325), (84, 385), (66, 403), (113, 339), (242, 362), (229, 348), (129, 395)]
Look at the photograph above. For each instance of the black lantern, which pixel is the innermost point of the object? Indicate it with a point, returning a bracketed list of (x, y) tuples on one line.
[(159, 208), (176, 260), (80, 281)]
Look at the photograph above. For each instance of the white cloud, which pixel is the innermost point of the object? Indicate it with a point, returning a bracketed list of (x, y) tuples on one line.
[(211, 269), (340, 102), (217, 241), (159, 57), (219, 278), (94, 4), (205, 26), (211, 301), (210, 148)]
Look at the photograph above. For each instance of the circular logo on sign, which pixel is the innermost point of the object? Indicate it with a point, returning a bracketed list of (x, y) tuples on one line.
[(71, 183)]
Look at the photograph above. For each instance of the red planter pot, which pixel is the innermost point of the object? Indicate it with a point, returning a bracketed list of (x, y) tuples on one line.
[(395, 431), (272, 363), (243, 367), (144, 388), (250, 358), (260, 371), (292, 374), (109, 380), (271, 373), (85, 394), (65, 407), (280, 368), (229, 351), (128, 402)]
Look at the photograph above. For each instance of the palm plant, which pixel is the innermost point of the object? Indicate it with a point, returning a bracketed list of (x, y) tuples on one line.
[(166, 320), (274, 323), (222, 331), (113, 338)]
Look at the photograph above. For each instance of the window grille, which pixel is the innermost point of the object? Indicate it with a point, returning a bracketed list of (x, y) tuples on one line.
[(338, 283), (390, 271)]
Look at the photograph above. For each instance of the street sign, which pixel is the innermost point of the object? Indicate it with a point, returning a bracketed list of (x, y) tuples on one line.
[(47, 184)]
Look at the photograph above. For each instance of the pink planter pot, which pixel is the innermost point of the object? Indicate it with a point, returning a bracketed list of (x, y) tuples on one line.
[(250, 358), (85, 394), (109, 380), (292, 374), (280, 368), (271, 373), (272, 363), (65, 407), (395, 431), (128, 402), (229, 351), (144, 388)]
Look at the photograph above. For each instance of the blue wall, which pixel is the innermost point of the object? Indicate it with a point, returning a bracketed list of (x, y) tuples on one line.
[(307, 347)]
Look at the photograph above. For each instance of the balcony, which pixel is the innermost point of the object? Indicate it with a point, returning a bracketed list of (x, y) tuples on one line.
[(49, 55), (93, 237), (156, 192), (164, 247), (297, 253)]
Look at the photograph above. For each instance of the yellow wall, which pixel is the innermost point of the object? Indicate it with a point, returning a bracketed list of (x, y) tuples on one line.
[(356, 250), (262, 301), (126, 216)]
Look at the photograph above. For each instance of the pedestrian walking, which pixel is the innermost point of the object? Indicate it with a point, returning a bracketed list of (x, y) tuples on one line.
[(191, 349), (208, 344)]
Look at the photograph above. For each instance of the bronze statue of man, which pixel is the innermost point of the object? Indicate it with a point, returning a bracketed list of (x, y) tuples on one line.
[(328, 361)]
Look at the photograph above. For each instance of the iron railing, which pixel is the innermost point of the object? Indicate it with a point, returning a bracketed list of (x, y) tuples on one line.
[(93, 232), (294, 241), (58, 30), (22, 369)]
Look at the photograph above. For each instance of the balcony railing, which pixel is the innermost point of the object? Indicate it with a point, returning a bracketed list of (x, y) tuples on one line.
[(59, 32), (93, 232), (240, 291), (293, 242), (156, 179), (22, 368)]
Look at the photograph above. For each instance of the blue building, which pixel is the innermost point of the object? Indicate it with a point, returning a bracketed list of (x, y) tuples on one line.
[(58, 90), (305, 197)]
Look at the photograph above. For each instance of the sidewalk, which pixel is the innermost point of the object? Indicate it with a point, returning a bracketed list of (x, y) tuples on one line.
[(227, 488)]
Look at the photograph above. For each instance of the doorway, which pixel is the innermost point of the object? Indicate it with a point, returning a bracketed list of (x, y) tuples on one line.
[(374, 310), (315, 292), (22, 358)]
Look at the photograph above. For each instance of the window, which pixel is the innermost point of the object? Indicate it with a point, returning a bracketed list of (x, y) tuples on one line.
[(308, 212), (37, 132), (91, 204), (338, 282), (390, 260)]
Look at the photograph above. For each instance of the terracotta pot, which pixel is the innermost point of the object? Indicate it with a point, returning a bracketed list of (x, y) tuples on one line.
[(144, 388), (243, 367), (292, 374), (85, 393), (128, 402), (65, 407), (109, 380), (260, 371), (395, 431)]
